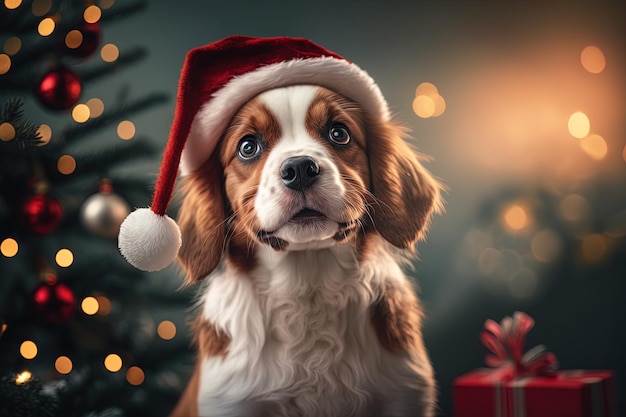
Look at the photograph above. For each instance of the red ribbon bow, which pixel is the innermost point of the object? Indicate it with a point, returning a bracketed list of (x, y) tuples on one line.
[(506, 342)]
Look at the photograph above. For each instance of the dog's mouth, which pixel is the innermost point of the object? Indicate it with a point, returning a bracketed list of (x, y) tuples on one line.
[(307, 215)]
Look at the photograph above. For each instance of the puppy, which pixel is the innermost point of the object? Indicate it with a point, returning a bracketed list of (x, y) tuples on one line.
[(298, 226)]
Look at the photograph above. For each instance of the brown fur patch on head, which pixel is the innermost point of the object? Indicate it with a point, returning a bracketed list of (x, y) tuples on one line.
[(405, 193)]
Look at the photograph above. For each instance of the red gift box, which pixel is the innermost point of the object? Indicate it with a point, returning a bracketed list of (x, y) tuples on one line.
[(527, 385)]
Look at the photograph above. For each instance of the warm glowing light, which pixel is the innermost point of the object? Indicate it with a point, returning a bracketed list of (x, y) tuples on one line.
[(28, 349), (9, 247), (23, 377), (63, 365), (96, 107), (90, 306), (575, 207), (546, 246), (109, 53), (166, 330), (3, 328), (516, 217), (135, 375), (595, 146), (64, 258), (424, 106), (104, 305), (5, 63), (7, 132), (426, 89), (41, 7), (126, 130), (113, 362), (73, 39), (80, 113), (428, 102), (46, 26), (593, 59), (594, 248), (624, 153), (66, 164), (92, 14), (440, 105), (45, 134), (12, 45), (12, 4), (578, 125), (106, 4)]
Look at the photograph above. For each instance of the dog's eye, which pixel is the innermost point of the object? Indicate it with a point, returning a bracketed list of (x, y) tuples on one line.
[(249, 148), (338, 134)]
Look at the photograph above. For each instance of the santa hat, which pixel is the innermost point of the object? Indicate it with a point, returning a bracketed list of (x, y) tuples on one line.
[(216, 80)]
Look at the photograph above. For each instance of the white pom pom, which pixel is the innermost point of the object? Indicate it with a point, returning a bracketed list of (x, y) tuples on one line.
[(148, 241)]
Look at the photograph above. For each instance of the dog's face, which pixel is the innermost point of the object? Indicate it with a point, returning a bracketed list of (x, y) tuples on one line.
[(302, 168)]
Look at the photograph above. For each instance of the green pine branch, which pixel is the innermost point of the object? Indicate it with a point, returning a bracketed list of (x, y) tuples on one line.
[(26, 134)]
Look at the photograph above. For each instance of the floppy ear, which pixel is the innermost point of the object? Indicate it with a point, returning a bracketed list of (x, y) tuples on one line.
[(405, 193), (202, 220)]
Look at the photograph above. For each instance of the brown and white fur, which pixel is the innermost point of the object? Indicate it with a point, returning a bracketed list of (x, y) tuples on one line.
[(305, 309)]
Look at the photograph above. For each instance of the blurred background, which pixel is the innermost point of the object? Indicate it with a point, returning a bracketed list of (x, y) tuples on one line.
[(520, 105)]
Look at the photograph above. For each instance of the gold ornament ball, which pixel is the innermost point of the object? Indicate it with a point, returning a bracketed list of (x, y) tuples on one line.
[(103, 213)]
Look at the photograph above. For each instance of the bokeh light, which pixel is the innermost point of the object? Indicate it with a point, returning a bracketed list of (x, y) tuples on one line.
[(28, 349), (9, 247), (166, 330), (428, 102), (80, 113), (12, 45), (135, 375), (45, 134), (578, 125), (126, 130), (113, 362), (96, 107), (73, 39), (594, 247), (104, 305), (546, 246), (516, 217), (41, 7), (595, 146), (63, 365), (92, 14), (593, 59), (5, 63), (106, 4), (23, 377), (66, 164), (90, 305), (7, 132), (64, 258), (46, 26), (12, 4), (575, 207), (109, 53)]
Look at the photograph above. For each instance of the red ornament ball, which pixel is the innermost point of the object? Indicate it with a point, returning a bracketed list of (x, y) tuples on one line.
[(90, 41), (54, 302), (59, 89), (42, 214)]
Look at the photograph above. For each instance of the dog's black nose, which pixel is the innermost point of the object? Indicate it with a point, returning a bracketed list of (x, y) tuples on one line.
[(299, 172)]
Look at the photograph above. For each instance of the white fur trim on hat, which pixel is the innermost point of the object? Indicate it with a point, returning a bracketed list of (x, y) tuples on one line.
[(335, 74), (148, 241)]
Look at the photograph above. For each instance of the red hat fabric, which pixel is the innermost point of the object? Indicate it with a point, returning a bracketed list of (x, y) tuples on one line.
[(216, 80)]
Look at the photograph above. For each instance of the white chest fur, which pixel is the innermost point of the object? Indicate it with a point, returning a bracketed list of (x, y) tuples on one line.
[(301, 337)]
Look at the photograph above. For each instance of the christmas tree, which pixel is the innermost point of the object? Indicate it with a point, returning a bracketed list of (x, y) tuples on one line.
[(82, 333)]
